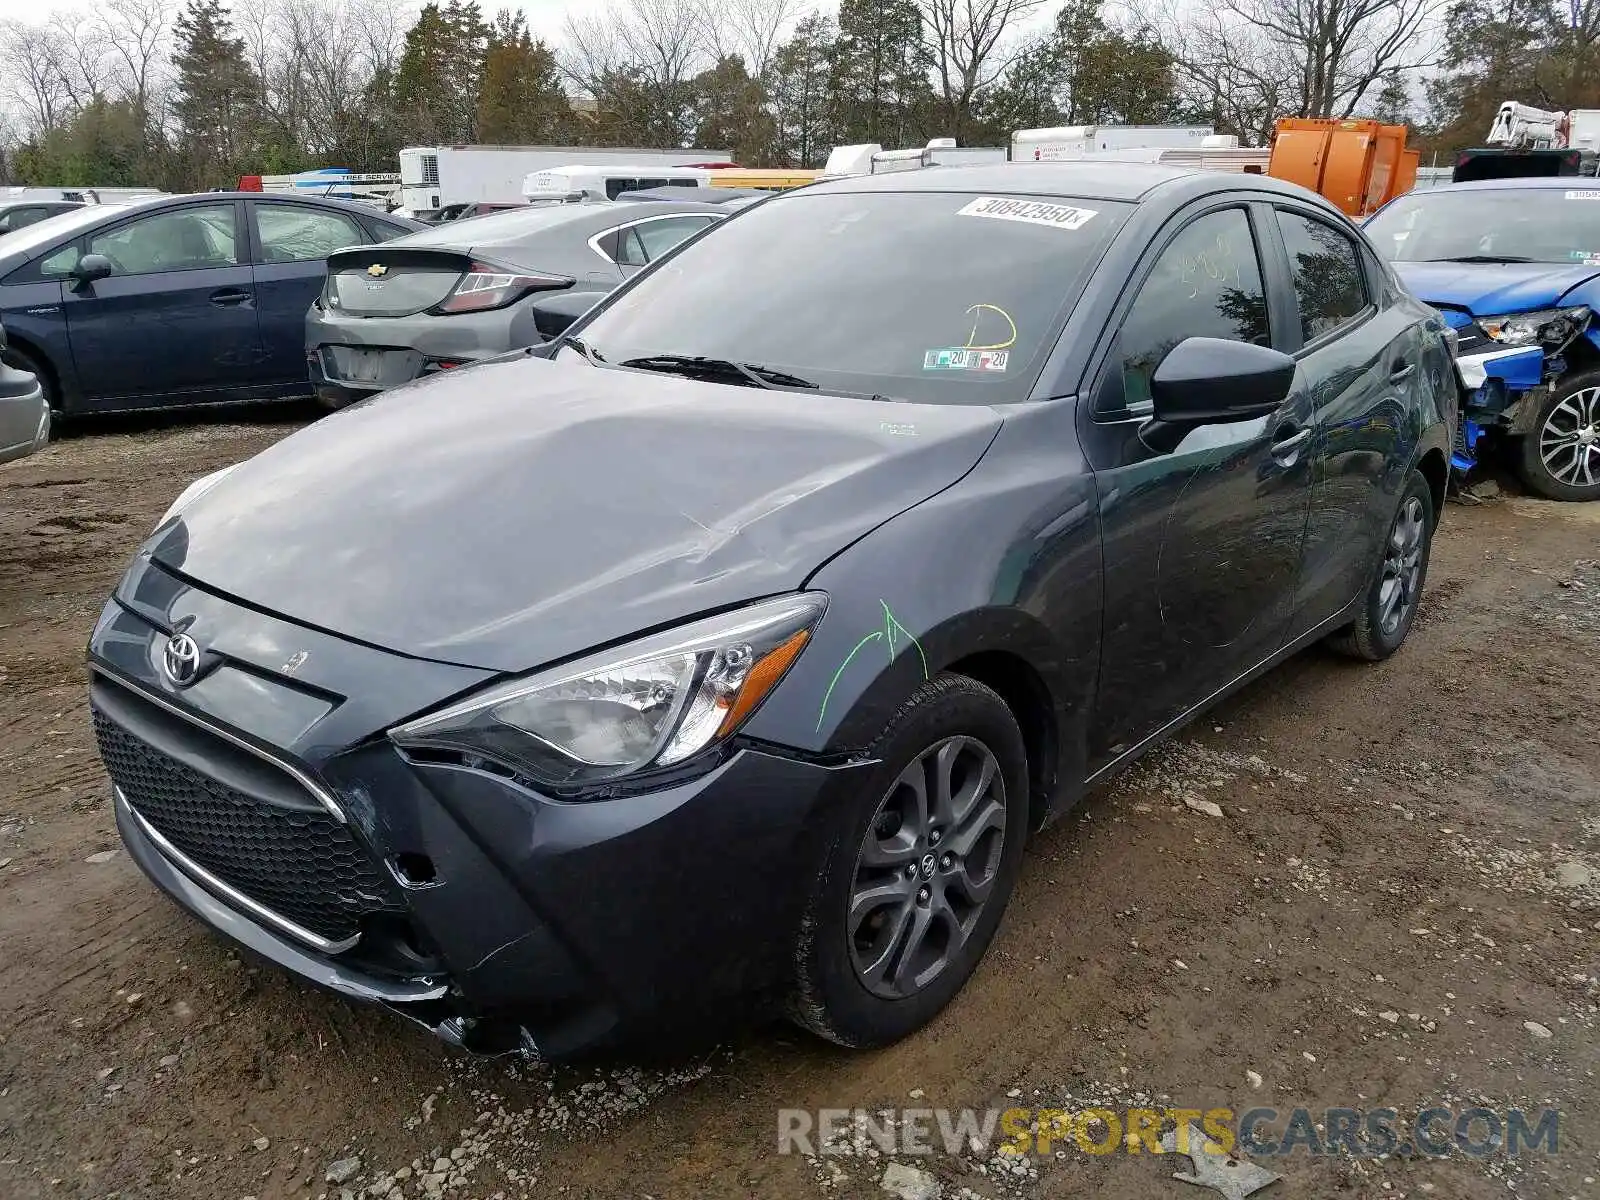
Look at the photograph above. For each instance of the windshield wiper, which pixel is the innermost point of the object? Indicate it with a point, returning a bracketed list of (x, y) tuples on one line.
[(1481, 258), (698, 366), (582, 348)]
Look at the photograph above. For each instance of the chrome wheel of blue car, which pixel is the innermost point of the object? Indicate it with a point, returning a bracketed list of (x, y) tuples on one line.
[(1560, 455), (1569, 441)]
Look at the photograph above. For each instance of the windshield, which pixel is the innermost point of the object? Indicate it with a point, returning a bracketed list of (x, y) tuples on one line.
[(1549, 225), (924, 296)]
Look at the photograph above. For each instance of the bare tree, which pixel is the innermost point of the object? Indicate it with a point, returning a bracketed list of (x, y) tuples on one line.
[(750, 29), (965, 40), (643, 53), (1249, 61), (81, 51), (135, 34), (31, 59)]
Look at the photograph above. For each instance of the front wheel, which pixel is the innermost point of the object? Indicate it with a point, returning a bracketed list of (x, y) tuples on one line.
[(1560, 457), (1390, 604), (919, 871)]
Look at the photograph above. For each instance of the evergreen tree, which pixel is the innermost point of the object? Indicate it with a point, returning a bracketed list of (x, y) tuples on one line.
[(217, 103), (731, 112), (436, 84), (520, 99), (799, 85), (878, 83)]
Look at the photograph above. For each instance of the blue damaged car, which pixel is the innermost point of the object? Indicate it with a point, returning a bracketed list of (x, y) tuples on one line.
[(1513, 265)]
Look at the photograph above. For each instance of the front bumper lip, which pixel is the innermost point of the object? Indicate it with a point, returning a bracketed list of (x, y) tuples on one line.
[(227, 892), (224, 915)]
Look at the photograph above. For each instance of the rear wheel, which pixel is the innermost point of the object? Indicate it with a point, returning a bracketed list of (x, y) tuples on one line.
[(1390, 604), (920, 870), (1560, 456)]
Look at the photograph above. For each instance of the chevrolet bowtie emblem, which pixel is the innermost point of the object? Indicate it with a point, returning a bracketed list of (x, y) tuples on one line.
[(377, 270)]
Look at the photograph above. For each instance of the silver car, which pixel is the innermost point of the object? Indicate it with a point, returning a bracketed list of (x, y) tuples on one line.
[(24, 412), (471, 289)]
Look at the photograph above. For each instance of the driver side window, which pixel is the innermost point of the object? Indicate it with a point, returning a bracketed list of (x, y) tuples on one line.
[(183, 240), (1207, 283)]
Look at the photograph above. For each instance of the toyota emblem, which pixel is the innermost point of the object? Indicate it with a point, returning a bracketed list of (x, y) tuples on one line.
[(181, 659)]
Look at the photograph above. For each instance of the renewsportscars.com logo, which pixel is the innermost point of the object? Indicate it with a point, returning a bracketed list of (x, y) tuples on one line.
[(1434, 1132)]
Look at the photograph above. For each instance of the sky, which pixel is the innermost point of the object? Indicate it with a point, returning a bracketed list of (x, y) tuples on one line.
[(545, 17)]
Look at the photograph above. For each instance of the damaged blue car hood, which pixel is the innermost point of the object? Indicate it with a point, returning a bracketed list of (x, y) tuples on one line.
[(1493, 289), (517, 512)]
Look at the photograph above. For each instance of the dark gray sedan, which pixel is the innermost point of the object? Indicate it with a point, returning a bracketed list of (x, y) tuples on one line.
[(440, 299)]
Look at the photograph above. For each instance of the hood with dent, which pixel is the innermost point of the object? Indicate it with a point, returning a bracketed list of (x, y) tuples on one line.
[(514, 513), (1492, 289)]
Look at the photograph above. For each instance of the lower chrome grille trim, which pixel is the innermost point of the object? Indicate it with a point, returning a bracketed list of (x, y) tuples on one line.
[(231, 894), (293, 772)]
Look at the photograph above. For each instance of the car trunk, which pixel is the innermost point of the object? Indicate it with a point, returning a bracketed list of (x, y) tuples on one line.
[(383, 281)]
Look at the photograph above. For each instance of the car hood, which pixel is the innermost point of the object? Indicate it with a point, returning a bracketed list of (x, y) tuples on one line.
[(1491, 289), (513, 513)]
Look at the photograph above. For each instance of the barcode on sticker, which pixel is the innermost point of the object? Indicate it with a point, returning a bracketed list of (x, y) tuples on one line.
[(1031, 212), (1594, 195)]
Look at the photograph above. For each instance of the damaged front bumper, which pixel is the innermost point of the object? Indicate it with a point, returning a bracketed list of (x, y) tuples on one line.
[(1501, 389)]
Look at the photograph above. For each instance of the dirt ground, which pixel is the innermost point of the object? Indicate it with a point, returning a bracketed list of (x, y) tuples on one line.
[(1399, 905)]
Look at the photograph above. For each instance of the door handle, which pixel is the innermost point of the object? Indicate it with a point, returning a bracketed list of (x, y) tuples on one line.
[(227, 297), (1287, 447), (1402, 372)]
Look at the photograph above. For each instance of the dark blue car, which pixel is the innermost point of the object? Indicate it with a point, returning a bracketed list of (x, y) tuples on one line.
[(176, 300), (1513, 265)]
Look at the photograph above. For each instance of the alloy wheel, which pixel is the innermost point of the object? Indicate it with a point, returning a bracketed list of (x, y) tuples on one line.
[(1569, 442), (1402, 566), (926, 867)]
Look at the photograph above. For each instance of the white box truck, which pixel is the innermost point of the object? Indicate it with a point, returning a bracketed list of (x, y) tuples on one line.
[(439, 177), (1066, 142)]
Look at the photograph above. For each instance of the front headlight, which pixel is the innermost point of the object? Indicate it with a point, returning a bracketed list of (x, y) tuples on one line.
[(650, 704), (1549, 327)]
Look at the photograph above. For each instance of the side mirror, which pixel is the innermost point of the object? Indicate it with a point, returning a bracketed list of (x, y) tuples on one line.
[(91, 267), (1212, 381), (555, 312)]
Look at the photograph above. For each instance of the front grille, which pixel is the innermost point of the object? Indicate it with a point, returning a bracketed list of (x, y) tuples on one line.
[(301, 863), (1473, 339)]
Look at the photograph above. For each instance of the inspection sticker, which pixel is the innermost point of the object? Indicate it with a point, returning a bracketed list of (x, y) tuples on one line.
[(1585, 195), (1032, 212), (958, 358)]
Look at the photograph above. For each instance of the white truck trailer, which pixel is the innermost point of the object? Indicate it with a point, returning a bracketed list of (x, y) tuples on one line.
[(436, 177)]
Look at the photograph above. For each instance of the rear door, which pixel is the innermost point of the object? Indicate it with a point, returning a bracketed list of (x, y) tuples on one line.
[(1359, 357), (641, 243), (291, 243), (175, 323), (24, 214)]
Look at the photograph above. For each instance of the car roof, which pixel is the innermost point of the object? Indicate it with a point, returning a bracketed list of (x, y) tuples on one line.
[(512, 226), (1078, 178), (1518, 183)]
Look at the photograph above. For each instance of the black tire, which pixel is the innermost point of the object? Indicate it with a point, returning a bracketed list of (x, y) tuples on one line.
[(1385, 619), (1562, 448), (21, 360), (832, 996)]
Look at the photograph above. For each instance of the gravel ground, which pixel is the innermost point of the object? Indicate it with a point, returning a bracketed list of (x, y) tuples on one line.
[(1399, 904)]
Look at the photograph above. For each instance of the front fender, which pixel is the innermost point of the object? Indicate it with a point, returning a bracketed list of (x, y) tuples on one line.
[(1004, 562)]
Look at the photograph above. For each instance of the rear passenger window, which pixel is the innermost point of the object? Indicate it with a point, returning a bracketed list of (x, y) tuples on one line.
[(1327, 274), (1207, 283)]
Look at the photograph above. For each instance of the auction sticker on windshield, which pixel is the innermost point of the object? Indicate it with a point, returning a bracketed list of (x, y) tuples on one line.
[(1595, 195), (959, 358), (1031, 212)]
